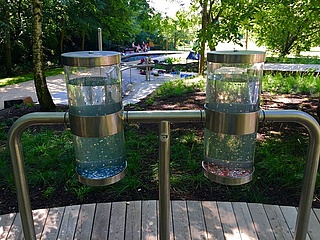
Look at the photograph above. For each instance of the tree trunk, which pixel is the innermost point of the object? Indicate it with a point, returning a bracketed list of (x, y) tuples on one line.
[(7, 41), (43, 94), (82, 39), (62, 34), (203, 42)]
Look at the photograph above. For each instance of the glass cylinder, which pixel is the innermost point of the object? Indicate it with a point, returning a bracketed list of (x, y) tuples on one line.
[(93, 82), (232, 109)]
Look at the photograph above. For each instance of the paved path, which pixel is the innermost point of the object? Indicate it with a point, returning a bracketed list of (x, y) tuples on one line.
[(139, 88)]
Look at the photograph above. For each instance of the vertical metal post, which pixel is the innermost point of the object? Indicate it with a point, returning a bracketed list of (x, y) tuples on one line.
[(99, 39), (15, 148), (130, 75), (164, 180), (311, 165)]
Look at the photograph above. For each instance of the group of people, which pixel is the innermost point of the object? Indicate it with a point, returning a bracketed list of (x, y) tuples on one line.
[(143, 47)]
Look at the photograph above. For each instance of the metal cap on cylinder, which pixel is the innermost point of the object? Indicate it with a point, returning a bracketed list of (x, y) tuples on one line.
[(93, 81), (232, 106), (90, 58), (236, 56)]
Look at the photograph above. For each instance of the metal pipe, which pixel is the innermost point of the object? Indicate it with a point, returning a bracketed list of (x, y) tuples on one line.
[(130, 75), (158, 116), (99, 39), (15, 148), (164, 180), (311, 165)]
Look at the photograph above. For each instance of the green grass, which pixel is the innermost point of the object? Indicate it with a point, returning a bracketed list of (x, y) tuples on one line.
[(28, 77), (297, 83), (179, 87)]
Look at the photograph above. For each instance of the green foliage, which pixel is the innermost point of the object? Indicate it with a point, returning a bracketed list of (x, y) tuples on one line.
[(286, 26), (307, 83), (223, 21), (178, 87), (278, 161), (45, 155)]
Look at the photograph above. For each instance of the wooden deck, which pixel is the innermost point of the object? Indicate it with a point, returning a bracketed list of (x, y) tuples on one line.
[(138, 220)]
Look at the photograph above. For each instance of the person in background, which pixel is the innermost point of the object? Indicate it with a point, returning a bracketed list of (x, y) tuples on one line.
[(147, 47), (133, 46), (143, 45), (138, 48)]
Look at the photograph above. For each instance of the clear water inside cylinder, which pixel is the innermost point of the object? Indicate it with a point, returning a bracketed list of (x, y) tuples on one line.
[(229, 155), (102, 157), (94, 96), (97, 157), (233, 94), (231, 91)]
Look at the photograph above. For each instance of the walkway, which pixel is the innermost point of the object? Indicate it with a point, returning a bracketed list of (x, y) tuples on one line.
[(139, 220), (139, 88)]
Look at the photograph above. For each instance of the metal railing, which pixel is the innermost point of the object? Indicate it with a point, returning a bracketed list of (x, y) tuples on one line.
[(163, 118), (148, 68)]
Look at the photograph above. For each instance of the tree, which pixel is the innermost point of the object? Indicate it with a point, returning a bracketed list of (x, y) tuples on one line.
[(286, 26), (14, 34), (43, 94), (7, 36), (222, 20)]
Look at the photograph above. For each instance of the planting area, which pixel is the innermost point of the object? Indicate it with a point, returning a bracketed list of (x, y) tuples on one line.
[(51, 166)]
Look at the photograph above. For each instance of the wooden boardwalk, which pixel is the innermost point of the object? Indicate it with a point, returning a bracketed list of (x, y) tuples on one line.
[(138, 220)]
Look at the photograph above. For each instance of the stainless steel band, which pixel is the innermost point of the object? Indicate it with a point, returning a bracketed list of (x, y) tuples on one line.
[(97, 126), (231, 123)]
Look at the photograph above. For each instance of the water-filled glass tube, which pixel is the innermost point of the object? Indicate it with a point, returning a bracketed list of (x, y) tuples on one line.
[(95, 111), (232, 104)]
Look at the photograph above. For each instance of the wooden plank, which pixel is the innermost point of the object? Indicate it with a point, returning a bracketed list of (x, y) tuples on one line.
[(85, 222), (69, 222), (212, 220), (149, 220), (16, 228), (228, 221), (52, 224), (6, 222), (39, 219), (180, 220), (260, 221), (277, 222), (101, 222), (117, 220), (196, 220), (204, 223), (244, 220), (317, 213), (314, 227), (133, 221), (290, 215)]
